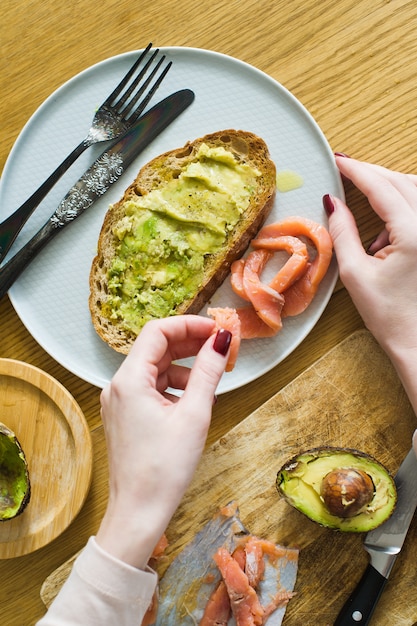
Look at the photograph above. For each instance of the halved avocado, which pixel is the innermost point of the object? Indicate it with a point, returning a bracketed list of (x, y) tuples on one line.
[(14, 476), (339, 488)]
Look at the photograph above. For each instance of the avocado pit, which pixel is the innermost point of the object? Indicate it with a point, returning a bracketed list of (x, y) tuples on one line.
[(346, 491)]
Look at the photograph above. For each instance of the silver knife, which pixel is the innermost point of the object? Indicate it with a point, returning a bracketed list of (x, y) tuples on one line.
[(383, 545), (105, 171)]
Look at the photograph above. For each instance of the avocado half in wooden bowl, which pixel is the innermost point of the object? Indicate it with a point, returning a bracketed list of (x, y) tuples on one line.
[(14, 476), (340, 488)]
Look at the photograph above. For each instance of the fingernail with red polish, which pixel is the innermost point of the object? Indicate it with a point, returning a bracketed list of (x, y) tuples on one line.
[(342, 154), (222, 341), (328, 204)]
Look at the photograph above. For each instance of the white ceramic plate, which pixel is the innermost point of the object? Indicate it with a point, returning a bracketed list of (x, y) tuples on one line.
[(51, 296)]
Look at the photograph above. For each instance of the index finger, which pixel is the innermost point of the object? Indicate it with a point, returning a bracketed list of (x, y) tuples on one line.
[(386, 190), (168, 339)]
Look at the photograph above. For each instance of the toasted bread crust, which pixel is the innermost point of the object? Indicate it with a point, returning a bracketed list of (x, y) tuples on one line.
[(247, 148)]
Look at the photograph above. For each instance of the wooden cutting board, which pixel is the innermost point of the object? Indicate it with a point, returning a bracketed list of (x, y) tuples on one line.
[(351, 397)]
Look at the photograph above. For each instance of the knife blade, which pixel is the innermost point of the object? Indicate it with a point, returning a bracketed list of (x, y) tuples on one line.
[(105, 171), (383, 545)]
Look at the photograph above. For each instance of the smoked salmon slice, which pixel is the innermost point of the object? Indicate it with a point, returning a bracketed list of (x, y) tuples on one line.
[(189, 581), (194, 590), (243, 323), (266, 301), (290, 291), (295, 266), (236, 278), (217, 612), (150, 616), (244, 601), (251, 325), (254, 578), (254, 565), (227, 319), (218, 609), (300, 294), (160, 547)]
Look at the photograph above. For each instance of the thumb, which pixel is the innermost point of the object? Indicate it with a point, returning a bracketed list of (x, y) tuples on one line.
[(344, 233), (207, 370)]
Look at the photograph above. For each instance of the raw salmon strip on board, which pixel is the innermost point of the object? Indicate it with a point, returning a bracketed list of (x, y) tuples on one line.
[(193, 590), (217, 612), (244, 601), (189, 581), (160, 547), (150, 616), (218, 609), (299, 295), (254, 563), (255, 575)]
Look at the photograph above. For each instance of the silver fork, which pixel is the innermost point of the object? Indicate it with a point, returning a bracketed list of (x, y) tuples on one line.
[(117, 113)]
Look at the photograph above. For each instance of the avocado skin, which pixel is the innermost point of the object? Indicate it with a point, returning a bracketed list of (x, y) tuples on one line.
[(13, 443), (295, 488)]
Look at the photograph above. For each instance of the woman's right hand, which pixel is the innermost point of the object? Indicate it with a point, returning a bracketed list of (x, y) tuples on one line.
[(383, 285), (383, 281)]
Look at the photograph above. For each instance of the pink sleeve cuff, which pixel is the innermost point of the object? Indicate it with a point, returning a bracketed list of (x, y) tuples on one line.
[(102, 590)]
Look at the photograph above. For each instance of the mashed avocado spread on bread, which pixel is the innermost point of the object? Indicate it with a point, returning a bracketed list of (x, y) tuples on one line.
[(165, 235), (167, 245)]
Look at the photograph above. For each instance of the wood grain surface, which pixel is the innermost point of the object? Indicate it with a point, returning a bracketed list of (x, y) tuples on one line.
[(349, 398), (352, 63)]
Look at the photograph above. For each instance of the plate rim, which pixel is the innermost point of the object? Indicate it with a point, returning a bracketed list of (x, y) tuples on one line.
[(26, 372)]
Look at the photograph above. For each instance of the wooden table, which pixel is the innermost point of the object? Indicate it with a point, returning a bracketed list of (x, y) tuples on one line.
[(352, 63)]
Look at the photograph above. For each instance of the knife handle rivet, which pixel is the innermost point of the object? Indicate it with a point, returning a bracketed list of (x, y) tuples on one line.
[(357, 616)]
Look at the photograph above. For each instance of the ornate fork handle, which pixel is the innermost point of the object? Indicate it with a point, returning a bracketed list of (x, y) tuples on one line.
[(10, 228), (120, 111)]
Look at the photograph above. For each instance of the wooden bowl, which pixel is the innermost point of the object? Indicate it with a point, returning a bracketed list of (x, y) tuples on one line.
[(55, 438)]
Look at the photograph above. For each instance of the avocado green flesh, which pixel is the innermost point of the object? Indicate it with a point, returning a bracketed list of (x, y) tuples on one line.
[(165, 236), (14, 479), (300, 484)]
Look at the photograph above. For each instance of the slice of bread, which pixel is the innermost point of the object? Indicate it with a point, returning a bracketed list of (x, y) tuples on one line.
[(248, 150)]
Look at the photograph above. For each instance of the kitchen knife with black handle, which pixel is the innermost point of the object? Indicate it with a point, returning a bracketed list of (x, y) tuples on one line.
[(105, 171), (383, 545)]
